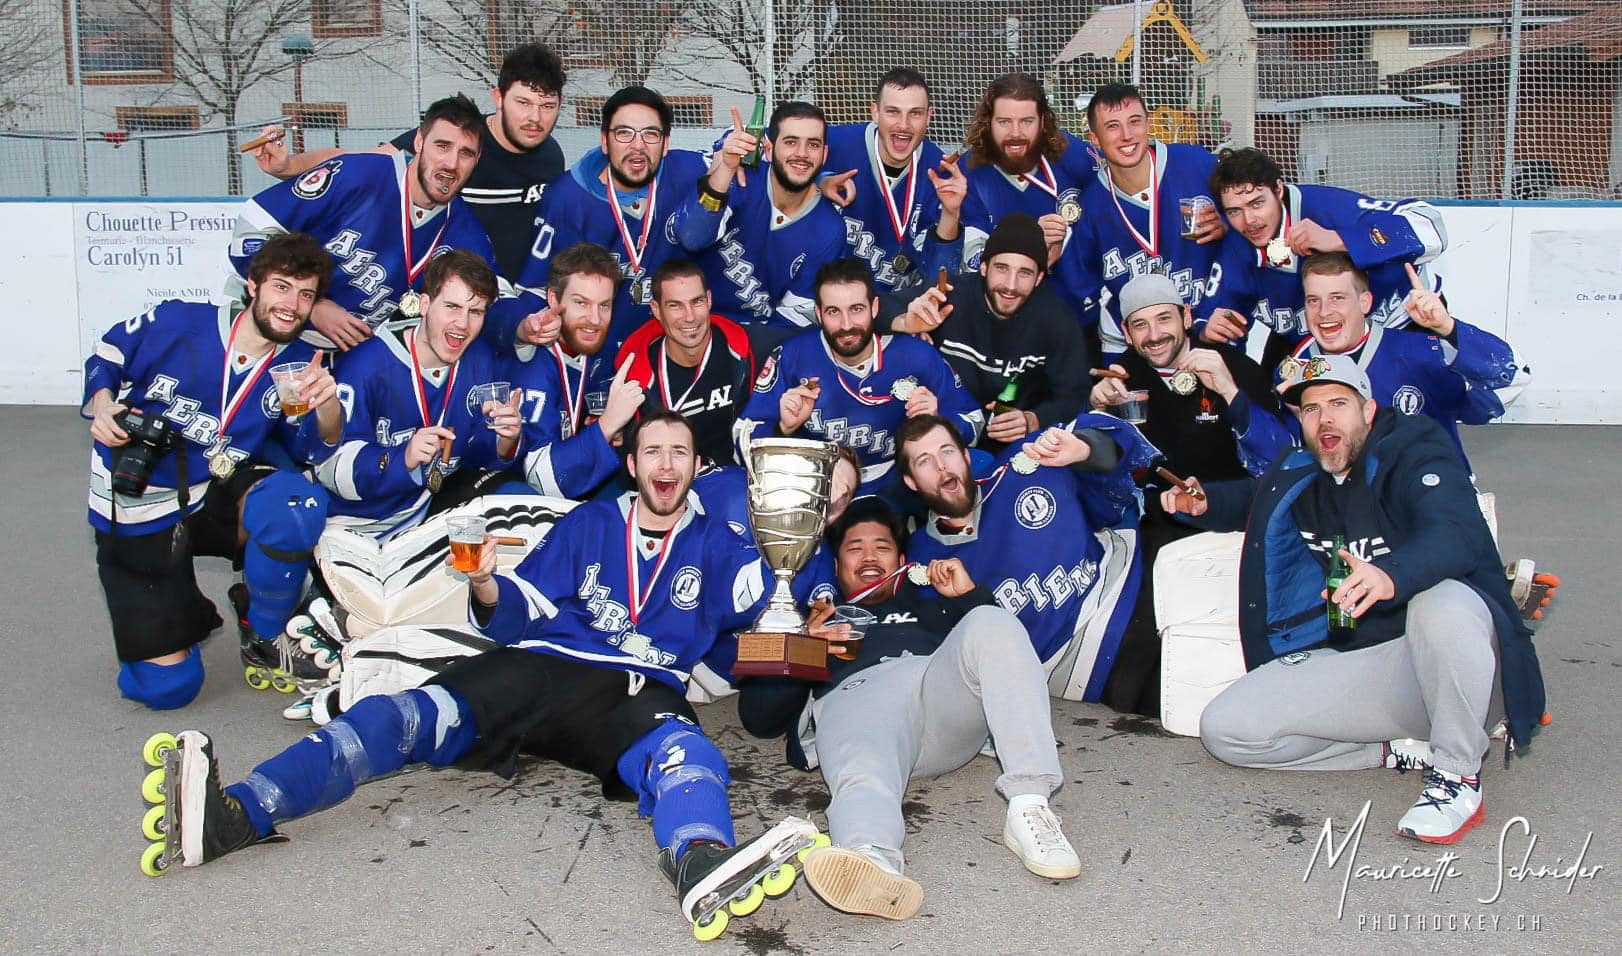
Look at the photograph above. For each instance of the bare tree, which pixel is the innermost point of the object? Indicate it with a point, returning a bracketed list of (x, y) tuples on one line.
[(780, 57), (26, 46)]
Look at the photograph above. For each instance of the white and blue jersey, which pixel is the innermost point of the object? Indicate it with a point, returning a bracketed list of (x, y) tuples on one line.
[(593, 592), (1058, 549), (359, 208), (1053, 187), (760, 262), (383, 396), (171, 362), (1124, 235), (575, 209), (856, 407), (566, 453), (1381, 236), (891, 223)]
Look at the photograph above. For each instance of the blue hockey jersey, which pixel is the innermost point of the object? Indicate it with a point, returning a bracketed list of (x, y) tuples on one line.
[(358, 207), (1123, 236), (171, 361), (1381, 236), (760, 263), (1035, 541), (566, 453), (575, 596), (890, 224), (575, 209), (856, 407), (372, 489)]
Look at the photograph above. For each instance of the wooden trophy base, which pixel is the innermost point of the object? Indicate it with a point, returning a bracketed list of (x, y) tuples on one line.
[(781, 654)]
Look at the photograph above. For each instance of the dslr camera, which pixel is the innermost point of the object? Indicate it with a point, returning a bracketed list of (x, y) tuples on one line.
[(150, 437)]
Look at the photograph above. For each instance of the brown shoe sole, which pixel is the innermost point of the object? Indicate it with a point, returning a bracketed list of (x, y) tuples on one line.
[(852, 883)]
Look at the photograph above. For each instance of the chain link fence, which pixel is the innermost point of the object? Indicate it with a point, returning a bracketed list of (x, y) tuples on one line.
[(1468, 99)]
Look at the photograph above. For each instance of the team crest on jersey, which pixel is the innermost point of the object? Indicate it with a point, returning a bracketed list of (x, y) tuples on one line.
[(1408, 400), (314, 183), (1376, 236), (271, 404), (767, 379), (684, 588), (1035, 507)]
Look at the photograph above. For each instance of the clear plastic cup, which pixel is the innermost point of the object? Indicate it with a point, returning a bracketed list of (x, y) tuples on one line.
[(1190, 207), (1134, 409), (498, 392), (286, 376), (858, 619), (467, 537)]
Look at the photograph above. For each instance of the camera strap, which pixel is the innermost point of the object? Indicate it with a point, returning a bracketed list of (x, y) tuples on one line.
[(177, 543)]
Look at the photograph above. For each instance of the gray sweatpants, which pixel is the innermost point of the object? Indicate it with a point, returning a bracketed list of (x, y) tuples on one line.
[(925, 716), (1326, 710)]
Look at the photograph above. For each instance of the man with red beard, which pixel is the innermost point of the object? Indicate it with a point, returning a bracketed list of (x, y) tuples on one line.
[(1410, 685)]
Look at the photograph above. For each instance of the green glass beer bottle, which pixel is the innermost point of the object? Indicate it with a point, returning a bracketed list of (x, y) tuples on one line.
[(757, 129), (1342, 626), (1004, 402)]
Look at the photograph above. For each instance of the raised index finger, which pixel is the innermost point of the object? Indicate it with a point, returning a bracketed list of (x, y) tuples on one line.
[(1413, 276), (737, 120), (624, 371)]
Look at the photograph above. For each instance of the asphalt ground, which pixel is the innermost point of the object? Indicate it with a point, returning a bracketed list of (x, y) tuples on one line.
[(1179, 853)]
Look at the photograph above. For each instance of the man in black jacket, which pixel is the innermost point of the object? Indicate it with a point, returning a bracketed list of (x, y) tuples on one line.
[(1017, 346), (1410, 685), (933, 677)]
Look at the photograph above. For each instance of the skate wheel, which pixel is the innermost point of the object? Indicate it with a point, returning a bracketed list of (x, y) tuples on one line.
[(778, 881), (256, 677), (712, 928), (328, 661), (154, 825), (152, 861), (283, 684), (749, 903), (308, 645), (821, 841), (155, 747), (154, 786)]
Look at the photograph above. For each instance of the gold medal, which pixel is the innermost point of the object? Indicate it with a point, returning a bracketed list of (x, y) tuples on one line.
[(639, 293), (1070, 211), (1279, 252), (410, 305), (918, 575), (900, 263), (221, 466), (1023, 464), (1289, 369), (436, 480), (1183, 382), (901, 388)]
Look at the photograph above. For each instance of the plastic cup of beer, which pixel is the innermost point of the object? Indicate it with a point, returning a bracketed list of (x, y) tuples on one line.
[(498, 392), (467, 537), (286, 377), (1134, 408), (858, 619), (1190, 206)]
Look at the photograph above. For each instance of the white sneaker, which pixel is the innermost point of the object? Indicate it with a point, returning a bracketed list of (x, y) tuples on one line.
[(1034, 835), (1407, 754), (1448, 808)]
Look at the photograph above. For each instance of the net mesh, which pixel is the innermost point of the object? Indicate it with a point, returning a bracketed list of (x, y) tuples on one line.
[(1473, 99)]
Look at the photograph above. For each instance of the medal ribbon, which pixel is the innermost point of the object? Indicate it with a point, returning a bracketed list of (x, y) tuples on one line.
[(421, 392), (414, 269), (1152, 244), (878, 366), (231, 403), (633, 252), (574, 400), (882, 582), (1050, 185), (633, 570), (664, 376), (897, 221)]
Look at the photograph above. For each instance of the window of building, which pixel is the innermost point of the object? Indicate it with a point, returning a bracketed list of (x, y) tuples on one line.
[(153, 119), (317, 115), (120, 41), (346, 18), (1439, 38)]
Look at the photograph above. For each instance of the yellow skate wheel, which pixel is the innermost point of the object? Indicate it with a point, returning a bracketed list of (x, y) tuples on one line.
[(155, 747), (152, 862), (712, 927), (778, 881), (282, 683), (748, 904), (153, 825), (821, 841), (257, 677), (153, 787)]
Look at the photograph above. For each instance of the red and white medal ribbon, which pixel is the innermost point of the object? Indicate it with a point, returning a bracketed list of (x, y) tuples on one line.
[(898, 219), (633, 251), (884, 582), (574, 400), (231, 402), (1050, 185), (858, 394), (664, 376), (420, 391), (633, 570), (1150, 245), (414, 269)]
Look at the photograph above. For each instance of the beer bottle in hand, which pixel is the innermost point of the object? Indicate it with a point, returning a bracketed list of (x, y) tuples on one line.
[(1342, 626), (1004, 402), (757, 129)]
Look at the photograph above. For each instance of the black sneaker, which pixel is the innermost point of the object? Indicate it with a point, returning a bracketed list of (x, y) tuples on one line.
[(211, 822)]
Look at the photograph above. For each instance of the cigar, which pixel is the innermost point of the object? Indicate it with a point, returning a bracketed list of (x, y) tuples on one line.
[(445, 449), (1107, 373), (940, 281), (1188, 487), (269, 137), (507, 542), (813, 381), (951, 157)]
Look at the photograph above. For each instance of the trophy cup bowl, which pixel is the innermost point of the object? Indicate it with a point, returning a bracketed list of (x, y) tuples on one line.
[(790, 484)]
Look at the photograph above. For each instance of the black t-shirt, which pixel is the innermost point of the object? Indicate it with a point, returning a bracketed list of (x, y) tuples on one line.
[(1193, 431), (1326, 508), (712, 403), (504, 191)]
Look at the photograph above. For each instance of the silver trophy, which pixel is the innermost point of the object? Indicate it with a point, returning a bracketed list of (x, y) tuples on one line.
[(790, 485)]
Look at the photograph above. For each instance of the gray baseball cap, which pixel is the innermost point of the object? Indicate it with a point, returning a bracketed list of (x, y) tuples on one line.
[(1327, 369), (1146, 290)]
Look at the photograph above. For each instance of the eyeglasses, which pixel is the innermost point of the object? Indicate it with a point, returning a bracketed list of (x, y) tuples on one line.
[(651, 136)]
